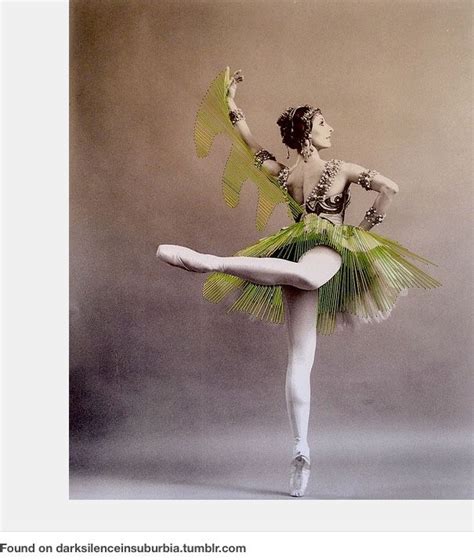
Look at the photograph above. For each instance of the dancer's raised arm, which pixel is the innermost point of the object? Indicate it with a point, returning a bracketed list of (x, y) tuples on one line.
[(372, 180), (262, 156)]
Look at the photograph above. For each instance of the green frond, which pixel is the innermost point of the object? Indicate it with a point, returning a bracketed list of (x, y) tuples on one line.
[(213, 119), (374, 272)]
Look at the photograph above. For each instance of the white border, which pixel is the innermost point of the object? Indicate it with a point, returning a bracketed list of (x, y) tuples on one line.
[(35, 338)]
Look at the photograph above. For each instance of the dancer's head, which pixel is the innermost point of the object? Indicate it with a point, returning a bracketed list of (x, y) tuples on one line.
[(303, 127)]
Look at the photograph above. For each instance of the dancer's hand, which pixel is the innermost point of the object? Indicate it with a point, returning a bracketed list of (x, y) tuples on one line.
[(234, 80)]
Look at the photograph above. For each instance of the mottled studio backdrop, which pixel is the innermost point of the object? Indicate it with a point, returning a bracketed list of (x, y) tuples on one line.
[(171, 396)]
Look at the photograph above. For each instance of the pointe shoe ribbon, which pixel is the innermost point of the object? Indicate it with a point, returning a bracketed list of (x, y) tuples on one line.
[(299, 475)]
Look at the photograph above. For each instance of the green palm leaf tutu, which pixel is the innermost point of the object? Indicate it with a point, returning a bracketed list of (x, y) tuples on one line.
[(374, 271)]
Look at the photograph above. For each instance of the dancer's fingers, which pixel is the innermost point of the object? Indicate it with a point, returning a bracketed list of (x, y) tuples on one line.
[(237, 76)]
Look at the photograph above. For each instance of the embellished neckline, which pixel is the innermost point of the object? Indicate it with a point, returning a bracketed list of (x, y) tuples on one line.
[(330, 170)]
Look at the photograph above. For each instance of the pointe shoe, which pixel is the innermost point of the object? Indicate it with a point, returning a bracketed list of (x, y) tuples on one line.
[(188, 259), (299, 475)]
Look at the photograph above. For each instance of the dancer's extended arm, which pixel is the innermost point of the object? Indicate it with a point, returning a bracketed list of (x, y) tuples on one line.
[(273, 167), (374, 181)]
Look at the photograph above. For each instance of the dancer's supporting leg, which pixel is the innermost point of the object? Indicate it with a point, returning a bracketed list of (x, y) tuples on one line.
[(314, 269), (301, 316)]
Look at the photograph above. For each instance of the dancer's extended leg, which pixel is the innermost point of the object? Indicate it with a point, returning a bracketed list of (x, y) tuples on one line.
[(314, 269), (301, 316)]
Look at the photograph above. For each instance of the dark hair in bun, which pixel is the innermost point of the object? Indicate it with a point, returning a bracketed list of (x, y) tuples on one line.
[(296, 125)]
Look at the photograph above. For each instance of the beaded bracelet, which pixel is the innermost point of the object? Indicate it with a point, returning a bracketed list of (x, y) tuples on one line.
[(373, 217), (261, 156), (236, 116), (366, 177)]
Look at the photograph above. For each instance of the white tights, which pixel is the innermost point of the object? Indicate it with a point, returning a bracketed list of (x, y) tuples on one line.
[(300, 282), (314, 269), (300, 311)]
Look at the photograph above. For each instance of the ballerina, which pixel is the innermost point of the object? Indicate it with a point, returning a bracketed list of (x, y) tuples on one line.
[(315, 274)]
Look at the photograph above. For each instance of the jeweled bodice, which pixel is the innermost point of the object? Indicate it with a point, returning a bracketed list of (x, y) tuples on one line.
[(330, 207)]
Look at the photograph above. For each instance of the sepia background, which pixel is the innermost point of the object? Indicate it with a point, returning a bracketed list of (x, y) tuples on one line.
[(171, 397)]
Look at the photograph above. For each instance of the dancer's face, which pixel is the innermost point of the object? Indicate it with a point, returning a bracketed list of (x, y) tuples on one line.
[(321, 133)]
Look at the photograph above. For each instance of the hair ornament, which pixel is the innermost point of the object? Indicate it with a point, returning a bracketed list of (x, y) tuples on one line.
[(288, 114)]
